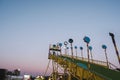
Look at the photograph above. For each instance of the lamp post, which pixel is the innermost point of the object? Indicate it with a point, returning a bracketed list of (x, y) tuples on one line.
[(60, 44), (71, 41), (90, 48), (105, 47), (76, 50), (81, 48), (65, 43), (113, 40), (87, 40), (68, 50)]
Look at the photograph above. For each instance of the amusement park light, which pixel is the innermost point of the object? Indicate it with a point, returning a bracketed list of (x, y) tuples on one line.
[(65, 43), (86, 39), (81, 48), (70, 40), (90, 48), (111, 34), (104, 46), (54, 45), (75, 47), (76, 50), (60, 44), (67, 47), (115, 46)]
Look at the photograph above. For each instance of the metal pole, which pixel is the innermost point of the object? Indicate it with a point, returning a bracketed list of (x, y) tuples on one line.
[(65, 43), (113, 40), (87, 40), (71, 50), (88, 57), (105, 47), (60, 45), (90, 48), (82, 54), (76, 51), (106, 59), (65, 49), (71, 41), (91, 56), (81, 48)]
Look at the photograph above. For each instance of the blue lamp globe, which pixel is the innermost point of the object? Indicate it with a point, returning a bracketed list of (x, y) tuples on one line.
[(104, 46), (90, 48), (67, 47), (54, 45), (60, 44), (75, 47), (70, 40), (81, 48), (86, 39)]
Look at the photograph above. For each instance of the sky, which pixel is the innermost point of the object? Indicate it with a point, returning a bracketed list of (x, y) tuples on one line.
[(27, 27)]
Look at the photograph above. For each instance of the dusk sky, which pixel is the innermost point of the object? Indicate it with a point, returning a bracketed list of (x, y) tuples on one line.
[(27, 27)]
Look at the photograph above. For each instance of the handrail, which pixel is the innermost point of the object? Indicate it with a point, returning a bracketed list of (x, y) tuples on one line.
[(102, 63), (112, 66)]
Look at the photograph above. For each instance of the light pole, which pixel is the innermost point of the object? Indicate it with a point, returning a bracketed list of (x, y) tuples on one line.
[(71, 41), (105, 47), (113, 40), (87, 40), (76, 51), (90, 48), (65, 69), (81, 48), (54, 47), (68, 50), (65, 43), (60, 44)]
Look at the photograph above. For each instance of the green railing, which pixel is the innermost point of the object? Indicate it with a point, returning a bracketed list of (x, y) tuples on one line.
[(98, 69)]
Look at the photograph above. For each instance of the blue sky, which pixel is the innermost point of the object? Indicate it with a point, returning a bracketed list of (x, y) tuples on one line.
[(27, 27)]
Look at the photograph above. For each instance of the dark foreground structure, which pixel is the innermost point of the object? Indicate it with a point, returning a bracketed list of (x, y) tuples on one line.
[(3, 74)]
